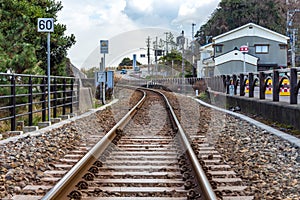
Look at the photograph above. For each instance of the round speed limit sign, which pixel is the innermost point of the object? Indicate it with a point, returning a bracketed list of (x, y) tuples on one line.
[(45, 25)]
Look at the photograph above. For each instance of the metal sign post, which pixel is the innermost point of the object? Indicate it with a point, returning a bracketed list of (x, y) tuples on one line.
[(48, 77), (47, 25), (244, 49), (103, 50), (101, 79)]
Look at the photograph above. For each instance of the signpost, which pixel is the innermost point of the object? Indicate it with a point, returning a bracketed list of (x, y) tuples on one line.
[(134, 62), (244, 49), (103, 50), (47, 25), (104, 46), (101, 77)]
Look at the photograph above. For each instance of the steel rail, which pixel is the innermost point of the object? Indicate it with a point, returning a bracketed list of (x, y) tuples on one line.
[(63, 187), (200, 174)]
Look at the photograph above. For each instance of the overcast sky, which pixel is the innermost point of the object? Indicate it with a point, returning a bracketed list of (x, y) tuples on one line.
[(93, 20)]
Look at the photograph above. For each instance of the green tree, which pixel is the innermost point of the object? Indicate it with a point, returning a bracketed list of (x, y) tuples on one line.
[(128, 62), (171, 43), (176, 57), (90, 73), (22, 48), (231, 14), (125, 62)]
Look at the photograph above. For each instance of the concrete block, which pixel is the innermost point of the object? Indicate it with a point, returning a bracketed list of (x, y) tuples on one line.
[(44, 124), (27, 129), (55, 120), (14, 133), (72, 115), (64, 117)]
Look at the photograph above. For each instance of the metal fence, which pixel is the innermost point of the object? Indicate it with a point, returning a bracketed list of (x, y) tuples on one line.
[(25, 97), (239, 82), (260, 79)]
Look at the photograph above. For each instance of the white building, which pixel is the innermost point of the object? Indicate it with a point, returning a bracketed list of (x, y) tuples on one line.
[(267, 50)]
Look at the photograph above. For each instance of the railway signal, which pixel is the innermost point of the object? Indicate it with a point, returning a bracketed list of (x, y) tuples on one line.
[(244, 49)]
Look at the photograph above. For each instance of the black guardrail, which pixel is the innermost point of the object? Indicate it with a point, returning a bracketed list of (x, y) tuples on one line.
[(224, 83), (24, 96), (259, 79)]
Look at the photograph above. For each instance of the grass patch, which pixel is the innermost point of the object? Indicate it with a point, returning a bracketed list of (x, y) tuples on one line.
[(204, 96), (282, 127)]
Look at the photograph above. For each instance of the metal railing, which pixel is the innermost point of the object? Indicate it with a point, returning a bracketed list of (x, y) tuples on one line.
[(24, 96), (259, 79), (223, 83)]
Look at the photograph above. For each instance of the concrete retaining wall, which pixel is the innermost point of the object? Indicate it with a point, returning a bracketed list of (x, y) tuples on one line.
[(281, 112), (85, 99)]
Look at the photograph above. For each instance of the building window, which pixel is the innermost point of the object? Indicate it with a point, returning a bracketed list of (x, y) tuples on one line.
[(219, 48), (262, 48), (282, 46)]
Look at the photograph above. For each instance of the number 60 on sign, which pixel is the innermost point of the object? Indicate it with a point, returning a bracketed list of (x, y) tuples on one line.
[(45, 25)]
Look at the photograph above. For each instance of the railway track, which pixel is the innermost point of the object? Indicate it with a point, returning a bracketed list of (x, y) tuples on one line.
[(226, 183), (145, 156), (133, 151)]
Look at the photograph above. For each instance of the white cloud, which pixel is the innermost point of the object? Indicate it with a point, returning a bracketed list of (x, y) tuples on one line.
[(145, 7), (192, 11), (92, 20)]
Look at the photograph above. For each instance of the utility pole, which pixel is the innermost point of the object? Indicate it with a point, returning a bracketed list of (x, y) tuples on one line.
[(166, 42), (155, 52), (182, 43), (293, 47), (291, 32), (172, 68), (148, 53), (193, 53)]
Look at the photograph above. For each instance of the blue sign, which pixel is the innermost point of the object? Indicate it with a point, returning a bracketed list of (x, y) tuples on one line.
[(134, 61), (103, 46), (110, 79)]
